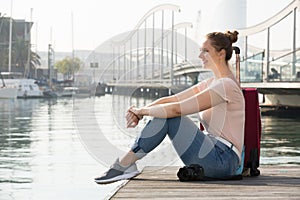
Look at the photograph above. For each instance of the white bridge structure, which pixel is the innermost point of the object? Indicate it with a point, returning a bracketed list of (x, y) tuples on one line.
[(158, 53)]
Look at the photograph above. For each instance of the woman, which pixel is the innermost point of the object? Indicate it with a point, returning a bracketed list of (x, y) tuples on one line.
[(220, 104)]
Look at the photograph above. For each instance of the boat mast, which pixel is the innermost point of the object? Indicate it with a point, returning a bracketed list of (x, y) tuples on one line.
[(10, 36), (28, 63)]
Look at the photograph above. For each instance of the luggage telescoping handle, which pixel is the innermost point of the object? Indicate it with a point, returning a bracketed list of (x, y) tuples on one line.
[(237, 60)]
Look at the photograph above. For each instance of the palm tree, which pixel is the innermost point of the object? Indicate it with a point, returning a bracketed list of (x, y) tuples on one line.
[(20, 57), (35, 60), (20, 52)]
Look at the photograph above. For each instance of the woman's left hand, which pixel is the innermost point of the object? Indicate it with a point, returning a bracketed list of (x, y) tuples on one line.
[(132, 117)]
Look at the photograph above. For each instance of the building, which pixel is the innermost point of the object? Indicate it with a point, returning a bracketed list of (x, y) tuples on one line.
[(20, 44)]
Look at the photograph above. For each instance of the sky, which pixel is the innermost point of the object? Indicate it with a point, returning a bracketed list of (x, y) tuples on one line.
[(95, 21)]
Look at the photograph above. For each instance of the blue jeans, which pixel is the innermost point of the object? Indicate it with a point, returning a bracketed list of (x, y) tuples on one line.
[(191, 144)]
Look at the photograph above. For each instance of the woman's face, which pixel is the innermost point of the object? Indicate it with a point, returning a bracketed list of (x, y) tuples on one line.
[(209, 55)]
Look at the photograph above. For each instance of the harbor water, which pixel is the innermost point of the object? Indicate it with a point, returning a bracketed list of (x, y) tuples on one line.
[(49, 148)]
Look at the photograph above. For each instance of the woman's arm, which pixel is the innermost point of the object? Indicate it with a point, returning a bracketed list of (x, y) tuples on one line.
[(133, 117), (196, 103), (181, 95), (169, 102)]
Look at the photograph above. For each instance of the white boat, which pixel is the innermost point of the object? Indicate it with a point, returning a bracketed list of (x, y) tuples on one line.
[(26, 88), (8, 92), (69, 92), (278, 94)]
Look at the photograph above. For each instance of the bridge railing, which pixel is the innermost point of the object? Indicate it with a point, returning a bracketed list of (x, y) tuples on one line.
[(271, 68), (282, 71), (251, 68)]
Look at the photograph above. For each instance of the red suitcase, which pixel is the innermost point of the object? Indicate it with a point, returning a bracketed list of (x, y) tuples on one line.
[(252, 133)]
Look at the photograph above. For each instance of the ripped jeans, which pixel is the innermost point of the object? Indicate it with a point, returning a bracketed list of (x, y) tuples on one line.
[(191, 144)]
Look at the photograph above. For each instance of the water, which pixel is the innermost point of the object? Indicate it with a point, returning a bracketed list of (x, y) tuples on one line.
[(44, 153), (280, 142)]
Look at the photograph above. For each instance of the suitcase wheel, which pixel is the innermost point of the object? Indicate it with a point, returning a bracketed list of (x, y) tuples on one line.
[(254, 172)]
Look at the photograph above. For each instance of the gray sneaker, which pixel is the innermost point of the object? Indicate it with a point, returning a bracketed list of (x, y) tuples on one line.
[(118, 172)]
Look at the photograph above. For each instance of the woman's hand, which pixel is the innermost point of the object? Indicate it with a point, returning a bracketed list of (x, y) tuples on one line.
[(132, 117)]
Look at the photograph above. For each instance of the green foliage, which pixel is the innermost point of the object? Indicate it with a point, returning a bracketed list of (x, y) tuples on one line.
[(35, 60), (20, 52), (68, 66)]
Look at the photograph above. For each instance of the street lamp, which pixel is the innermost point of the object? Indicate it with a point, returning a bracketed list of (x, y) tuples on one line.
[(94, 65)]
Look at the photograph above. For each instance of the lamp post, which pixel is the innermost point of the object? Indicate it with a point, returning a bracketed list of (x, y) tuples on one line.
[(50, 64), (94, 65)]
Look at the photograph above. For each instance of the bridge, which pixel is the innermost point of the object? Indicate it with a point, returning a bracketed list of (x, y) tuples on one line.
[(284, 61), (158, 53), (275, 73)]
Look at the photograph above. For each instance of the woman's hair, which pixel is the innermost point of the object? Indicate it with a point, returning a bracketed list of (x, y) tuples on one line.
[(223, 41)]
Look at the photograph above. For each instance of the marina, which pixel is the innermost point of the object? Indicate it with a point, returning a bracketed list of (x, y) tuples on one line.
[(62, 118)]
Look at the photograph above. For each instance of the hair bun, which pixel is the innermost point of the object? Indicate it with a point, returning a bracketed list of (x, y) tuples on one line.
[(232, 36)]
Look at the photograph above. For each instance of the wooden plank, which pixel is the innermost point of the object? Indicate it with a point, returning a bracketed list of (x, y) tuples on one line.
[(275, 182)]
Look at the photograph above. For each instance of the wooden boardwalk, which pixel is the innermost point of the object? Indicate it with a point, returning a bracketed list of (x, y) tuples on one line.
[(275, 182)]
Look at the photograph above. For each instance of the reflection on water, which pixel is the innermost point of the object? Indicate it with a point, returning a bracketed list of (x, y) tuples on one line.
[(15, 142), (42, 157), (280, 142)]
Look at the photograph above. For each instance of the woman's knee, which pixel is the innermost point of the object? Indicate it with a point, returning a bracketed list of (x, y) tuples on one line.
[(173, 126), (181, 125)]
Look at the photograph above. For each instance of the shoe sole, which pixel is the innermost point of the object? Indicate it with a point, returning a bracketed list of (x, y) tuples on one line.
[(118, 178)]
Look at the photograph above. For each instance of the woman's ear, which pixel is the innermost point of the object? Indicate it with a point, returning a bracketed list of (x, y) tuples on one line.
[(222, 53)]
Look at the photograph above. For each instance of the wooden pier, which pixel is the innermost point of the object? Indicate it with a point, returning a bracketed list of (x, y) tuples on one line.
[(275, 182)]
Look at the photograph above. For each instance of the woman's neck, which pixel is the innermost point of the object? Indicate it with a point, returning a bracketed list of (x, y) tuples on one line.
[(223, 71)]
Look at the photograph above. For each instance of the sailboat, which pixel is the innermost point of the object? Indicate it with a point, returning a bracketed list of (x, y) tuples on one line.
[(7, 92), (26, 88)]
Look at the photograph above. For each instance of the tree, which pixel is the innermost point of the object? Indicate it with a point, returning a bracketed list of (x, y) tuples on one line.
[(35, 60), (68, 66), (20, 52)]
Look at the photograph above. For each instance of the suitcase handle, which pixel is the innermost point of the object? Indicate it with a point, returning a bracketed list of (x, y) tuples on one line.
[(237, 61)]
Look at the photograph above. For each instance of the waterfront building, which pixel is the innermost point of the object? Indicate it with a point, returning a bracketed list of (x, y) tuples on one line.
[(21, 44)]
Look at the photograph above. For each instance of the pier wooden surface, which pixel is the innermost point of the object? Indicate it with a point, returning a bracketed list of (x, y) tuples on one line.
[(275, 182)]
